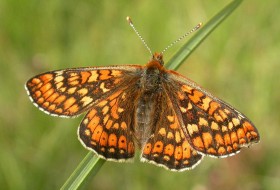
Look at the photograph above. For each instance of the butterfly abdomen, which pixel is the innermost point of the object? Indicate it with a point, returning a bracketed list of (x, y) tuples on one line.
[(143, 119)]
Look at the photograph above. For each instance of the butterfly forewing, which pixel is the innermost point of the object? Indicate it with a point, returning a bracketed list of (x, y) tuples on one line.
[(213, 127), (70, 92)]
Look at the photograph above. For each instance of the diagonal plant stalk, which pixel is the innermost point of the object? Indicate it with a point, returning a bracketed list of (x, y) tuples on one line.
[(91, 164), (185, 51)]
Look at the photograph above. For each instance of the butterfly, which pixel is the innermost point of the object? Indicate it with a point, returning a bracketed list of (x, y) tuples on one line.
[(171, 119)]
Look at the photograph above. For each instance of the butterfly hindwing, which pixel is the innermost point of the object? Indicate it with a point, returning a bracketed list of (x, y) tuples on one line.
[(167, 145), (107, 128)]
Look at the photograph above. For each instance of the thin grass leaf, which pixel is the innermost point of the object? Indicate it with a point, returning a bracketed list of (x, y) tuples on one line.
[(200, 35), (91, 164)]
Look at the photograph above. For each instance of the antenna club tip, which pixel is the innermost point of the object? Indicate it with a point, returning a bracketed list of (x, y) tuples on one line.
[(199, 25), (129, 20)]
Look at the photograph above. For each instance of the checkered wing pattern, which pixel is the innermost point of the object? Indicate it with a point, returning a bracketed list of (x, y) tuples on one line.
[(71, 92), (167, 144), (107, 128), (213, 127)]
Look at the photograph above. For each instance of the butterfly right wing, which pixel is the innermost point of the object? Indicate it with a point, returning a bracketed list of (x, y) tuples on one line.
[(70, 92), (167, 145), (212, 126)]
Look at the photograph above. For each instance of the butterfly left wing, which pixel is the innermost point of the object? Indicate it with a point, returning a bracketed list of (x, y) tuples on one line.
[(212, 126)]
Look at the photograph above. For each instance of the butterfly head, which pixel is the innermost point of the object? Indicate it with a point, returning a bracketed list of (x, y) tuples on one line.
[(156, 62), (158, 57)]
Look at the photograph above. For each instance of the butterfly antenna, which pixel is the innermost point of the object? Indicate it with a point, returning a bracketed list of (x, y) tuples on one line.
[(138, 34), (182, 37)]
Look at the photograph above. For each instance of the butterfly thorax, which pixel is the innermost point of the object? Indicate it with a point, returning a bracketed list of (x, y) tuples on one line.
[(153, 74)]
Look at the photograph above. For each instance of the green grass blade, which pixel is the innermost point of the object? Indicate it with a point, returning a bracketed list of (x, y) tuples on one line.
[(91, 164), (200, 35)]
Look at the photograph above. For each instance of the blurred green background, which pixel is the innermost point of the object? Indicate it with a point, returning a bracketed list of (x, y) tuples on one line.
[(238, 62)]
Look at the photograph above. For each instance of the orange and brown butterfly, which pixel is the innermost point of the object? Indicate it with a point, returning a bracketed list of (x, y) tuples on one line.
[(172, 120)]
